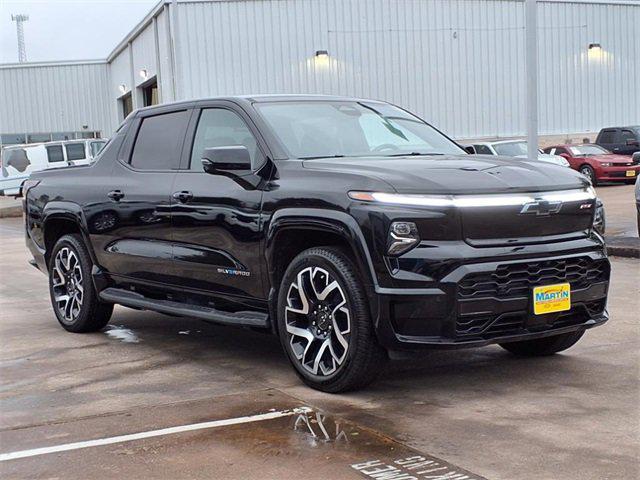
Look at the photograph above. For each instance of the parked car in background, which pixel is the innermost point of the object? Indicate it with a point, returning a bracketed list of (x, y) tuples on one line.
[(17, 162), (597, 163), (620, 140), (514, 148)]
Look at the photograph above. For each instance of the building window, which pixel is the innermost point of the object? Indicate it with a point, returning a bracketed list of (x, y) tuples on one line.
[(38, 137), (126, 103), (13, 138), (150, 94), (62, 136)]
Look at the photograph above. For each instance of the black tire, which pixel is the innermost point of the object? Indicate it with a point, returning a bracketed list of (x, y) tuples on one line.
[(588, 172), (543, 346), (87, 313), (363, 358)]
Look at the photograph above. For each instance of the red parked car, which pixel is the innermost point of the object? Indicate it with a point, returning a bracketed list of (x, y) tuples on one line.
[(597, 163)]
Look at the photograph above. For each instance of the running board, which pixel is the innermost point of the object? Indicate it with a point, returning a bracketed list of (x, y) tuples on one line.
[(136, 300)]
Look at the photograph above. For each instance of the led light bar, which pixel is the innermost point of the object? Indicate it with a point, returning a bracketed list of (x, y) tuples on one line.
[(469, 201)]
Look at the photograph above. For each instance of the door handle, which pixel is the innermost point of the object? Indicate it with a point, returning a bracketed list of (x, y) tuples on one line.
[(115, 195), (183, 197)]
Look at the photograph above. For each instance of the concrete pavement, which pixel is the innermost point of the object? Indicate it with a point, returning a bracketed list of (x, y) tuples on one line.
[(571, 416)]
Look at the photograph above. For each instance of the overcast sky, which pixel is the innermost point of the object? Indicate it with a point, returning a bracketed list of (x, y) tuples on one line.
[(68, 29)]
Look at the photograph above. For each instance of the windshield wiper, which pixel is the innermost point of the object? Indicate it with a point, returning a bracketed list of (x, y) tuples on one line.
[(412, 154), (322, 156)]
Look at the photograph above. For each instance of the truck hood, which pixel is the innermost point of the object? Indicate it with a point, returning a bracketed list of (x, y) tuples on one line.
[(456, 174)]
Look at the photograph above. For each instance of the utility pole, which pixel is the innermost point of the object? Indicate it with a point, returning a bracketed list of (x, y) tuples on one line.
[(531, 69), (20, 19)]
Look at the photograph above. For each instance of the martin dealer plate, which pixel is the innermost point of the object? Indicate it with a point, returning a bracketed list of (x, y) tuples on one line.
[(551, 298)]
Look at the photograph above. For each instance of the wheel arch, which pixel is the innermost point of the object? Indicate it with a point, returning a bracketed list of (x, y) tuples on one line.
[(61, 218), (292, 231)]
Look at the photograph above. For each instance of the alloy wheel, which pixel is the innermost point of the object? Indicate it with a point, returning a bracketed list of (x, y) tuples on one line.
[(587, 172), (68, 289), (318, 321)]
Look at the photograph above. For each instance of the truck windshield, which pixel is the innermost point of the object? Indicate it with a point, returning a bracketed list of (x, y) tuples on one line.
[(321, 129)]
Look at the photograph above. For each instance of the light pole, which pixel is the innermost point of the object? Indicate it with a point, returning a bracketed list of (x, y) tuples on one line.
[(531, 68), (20, 19)]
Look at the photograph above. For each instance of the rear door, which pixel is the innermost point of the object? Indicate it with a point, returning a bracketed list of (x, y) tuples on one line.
[(627, 142), (216, 219), (135, 218)]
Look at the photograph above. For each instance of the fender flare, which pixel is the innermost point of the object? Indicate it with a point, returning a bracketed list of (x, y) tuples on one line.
[(68, 211), (332, 221)]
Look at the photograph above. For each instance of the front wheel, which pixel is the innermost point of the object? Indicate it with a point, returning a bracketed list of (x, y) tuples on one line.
[(324, 323), (543, 346), (73, 297), (588, 172)]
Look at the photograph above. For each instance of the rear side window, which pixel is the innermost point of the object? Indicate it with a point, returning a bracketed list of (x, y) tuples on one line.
[(75, 151), (54, 154), (96, 147), (159, 141), (626, 135), (607, 136), (482, 150)]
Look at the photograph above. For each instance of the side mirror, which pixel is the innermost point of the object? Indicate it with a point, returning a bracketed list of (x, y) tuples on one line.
[(470, 149), (632, 142), (565, 156), (222, 159)]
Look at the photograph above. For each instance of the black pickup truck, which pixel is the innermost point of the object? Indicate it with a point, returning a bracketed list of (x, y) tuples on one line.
[(350, 228)]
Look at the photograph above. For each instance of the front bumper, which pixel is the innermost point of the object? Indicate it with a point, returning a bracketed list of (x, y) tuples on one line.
[(616, 174), (485, 302)]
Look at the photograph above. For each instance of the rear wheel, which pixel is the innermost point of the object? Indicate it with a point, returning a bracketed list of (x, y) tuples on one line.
[(588, 172), (73, 297), (543, 346), (324, 323)]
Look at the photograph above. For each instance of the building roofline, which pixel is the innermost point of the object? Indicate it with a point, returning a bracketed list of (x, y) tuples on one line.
[(54, 63), (158, 7), (137, 30)]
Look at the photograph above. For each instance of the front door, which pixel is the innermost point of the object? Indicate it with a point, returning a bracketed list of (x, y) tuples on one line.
[(216, 217)]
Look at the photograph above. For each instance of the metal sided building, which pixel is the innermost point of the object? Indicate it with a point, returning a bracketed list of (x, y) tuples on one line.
[(457, 63)]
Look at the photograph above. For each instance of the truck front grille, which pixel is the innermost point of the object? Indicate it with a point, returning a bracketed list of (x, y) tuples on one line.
[(518, 279)]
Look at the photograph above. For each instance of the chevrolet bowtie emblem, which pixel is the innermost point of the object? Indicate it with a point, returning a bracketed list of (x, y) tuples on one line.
[(541, 207)]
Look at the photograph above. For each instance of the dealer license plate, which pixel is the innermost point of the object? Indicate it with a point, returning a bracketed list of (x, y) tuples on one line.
[(551, 298), (631, 173)]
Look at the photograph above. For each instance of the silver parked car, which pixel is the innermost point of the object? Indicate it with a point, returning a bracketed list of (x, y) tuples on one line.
[(516, 149)]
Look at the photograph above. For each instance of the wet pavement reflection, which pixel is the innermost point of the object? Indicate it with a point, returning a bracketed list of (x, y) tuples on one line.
[(247, 440)]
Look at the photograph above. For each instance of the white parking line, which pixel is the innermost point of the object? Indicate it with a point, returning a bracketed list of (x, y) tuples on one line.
[(151, 433)]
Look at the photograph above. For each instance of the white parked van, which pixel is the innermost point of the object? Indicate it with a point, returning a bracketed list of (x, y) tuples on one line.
[(18, 161)]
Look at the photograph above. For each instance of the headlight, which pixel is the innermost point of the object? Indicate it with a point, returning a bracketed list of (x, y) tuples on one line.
[(605, 164), (471, 201), (599, 219), (403, 236)]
